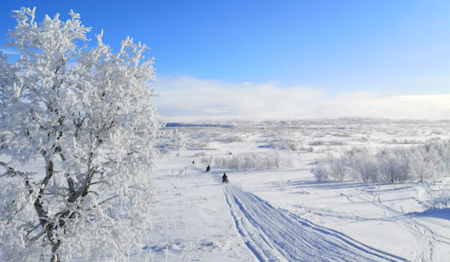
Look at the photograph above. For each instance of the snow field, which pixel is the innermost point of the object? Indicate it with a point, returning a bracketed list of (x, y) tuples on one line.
[(283, 214), (368, 222)]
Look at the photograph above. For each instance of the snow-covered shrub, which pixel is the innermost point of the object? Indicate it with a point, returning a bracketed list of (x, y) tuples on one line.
[(321, 172), (369, 171), (404, 141), (200, 154), (434, 199), (86, 114), (394, 164), (178, 140), (337, 143), (198, 145), (308, 149), (317, 143), (419, 167), (339, 168), (231, 139), (205, 160), (173, 140), (270, 162), (242, 162), (360, 164), (429, 161), (292, 146)]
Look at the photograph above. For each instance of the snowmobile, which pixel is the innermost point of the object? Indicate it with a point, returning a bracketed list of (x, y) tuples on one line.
[(225, 179)]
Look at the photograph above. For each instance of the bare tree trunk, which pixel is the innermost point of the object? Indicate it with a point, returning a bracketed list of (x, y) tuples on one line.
[(42, 213), (50, 227), (55, 258), (55, 245)]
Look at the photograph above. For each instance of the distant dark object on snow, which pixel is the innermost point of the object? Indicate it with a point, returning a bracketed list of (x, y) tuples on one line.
[(208, 169), (225, 178)]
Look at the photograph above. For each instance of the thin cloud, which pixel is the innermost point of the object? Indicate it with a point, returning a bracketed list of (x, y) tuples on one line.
[(187, 96), (370, 104), (9, 51)]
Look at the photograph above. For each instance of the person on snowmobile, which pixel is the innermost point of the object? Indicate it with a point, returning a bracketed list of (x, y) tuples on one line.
[(225, 178)]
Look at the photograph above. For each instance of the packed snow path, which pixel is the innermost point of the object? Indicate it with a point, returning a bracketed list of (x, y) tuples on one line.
[(275, 235)]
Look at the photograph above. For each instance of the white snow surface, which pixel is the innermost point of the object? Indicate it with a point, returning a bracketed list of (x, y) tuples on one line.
[(283, 214)]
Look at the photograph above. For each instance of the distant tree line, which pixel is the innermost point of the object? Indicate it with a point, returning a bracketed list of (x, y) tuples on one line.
[(247, 161)]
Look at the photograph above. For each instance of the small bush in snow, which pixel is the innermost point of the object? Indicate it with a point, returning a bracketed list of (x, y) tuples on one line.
[(317, 143), (242, 162), (200, 154), (339, 169), (433, 199), (308, 149), (321, 172)]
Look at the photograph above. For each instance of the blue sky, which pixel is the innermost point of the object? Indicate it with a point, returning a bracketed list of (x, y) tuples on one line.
[(308, 53)]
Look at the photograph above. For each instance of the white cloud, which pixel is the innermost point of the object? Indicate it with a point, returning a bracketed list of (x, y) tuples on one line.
[(9, 51), (366, 103), (189, 96), (186, 96)]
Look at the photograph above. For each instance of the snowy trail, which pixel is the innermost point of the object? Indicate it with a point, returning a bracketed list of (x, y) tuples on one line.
[(275, 235), (423, 236)]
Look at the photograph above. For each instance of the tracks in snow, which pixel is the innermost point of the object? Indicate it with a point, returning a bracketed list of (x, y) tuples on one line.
[(275, 235), (422, 235)]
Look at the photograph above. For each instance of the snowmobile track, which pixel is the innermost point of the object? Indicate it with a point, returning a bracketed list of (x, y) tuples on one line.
[(275, 235)]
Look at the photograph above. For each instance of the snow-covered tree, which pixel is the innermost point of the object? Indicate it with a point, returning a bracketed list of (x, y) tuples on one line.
[(339, 168), (179, 140), (87, 115), (427, 162), (394, 164)]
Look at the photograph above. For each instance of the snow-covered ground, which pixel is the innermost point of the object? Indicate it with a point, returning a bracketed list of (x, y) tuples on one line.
[(282, 214)]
